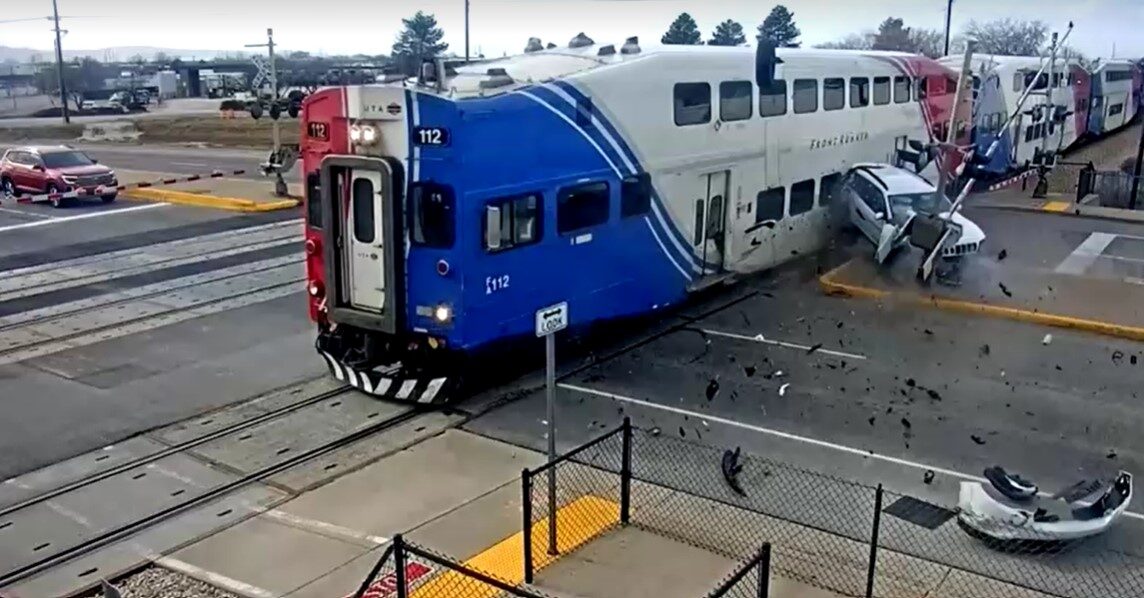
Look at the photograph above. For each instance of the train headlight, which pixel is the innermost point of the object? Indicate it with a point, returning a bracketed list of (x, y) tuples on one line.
[(355, 133), (368, 135), (443, 313)]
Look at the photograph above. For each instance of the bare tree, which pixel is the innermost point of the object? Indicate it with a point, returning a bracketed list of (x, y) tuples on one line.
[(854, 41), (1008, 37), (927, 42)]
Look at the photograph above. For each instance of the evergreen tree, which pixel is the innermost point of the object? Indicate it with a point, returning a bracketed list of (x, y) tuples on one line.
[(779, 28), (684, 31), (728, 33), (420, 39), (893, 35)]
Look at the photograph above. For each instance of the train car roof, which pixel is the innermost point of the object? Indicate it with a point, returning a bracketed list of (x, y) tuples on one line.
[(498, 75)]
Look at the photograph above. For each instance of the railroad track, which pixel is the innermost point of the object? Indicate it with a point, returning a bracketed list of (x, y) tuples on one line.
[(26, 570)]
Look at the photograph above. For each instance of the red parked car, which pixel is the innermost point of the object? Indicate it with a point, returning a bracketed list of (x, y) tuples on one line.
[(54, 169)]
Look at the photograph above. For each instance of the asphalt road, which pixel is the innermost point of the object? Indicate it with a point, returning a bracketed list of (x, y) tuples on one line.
[(172, 159)]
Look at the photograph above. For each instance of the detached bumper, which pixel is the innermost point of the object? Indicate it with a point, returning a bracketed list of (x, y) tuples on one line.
[(389, 383)]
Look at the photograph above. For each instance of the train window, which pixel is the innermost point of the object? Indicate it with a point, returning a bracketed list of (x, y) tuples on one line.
[(692, 104), (432, 223), (859, 92), (735, 100), (1042, 80), (1018, 81), (901, 90), (805, 95), (770, 204), (581, 207), (772, 99), (881, 90), (362, 206), (950, 85), (922, 87), (801, 197), (1115, 109), (827, 188), (833, 93), (635, 195), (314, 200), (512, 222)]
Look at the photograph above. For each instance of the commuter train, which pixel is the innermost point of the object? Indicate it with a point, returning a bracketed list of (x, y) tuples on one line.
[(1088, 102), (443, 212)]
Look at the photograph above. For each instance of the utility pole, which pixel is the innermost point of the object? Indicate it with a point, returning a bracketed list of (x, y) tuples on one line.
[(60, 64), (948, 24), (1136, 172), (1047, 118), (466, 31), (280, 187)]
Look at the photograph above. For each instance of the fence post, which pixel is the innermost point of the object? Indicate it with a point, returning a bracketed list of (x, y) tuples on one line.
[(874, 542), (526, 509), (765, 571), (399, 565), (626, 474)]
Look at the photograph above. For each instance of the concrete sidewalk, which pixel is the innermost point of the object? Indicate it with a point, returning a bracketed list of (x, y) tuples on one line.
[(239, 195), (1053, 203)]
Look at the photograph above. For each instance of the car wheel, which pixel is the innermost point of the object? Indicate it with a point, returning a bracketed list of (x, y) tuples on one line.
[(7, 189), (57, 202), (108, 198)]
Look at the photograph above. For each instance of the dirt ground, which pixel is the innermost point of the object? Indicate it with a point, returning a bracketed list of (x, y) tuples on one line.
[(241, 132)]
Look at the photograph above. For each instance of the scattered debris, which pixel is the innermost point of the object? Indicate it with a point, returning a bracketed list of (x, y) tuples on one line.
[(977, 439), (928, 332), (839, 324), (906, 423), (731, 468), (655, 431), (911, 382), (1132, 359), (814, 348), (1048, 339), (1059, 368), (1117, 356), (1002, 255), (749, 371), (933, 394), (1110, 455), (1004, 289), (783, 389), (682, 434), (984, 350), (871, 420), (928, 477), (712, 389)]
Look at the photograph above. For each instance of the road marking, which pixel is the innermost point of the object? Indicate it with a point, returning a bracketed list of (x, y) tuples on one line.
[(215, 579), (29, 214), (786, 435), (1085, 254), (758, 338), (81, 217), (324, 528), (195, 164)]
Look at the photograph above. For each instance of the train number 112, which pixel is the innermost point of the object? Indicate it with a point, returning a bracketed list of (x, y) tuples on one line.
[(496, 283), (431, 136)]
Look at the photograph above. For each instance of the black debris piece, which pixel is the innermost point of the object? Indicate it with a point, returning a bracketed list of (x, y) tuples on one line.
[(1030, 413), (928, 477), (928, 332), (933, 394), (712, 389), (911, 382), (1110, 455), (814, 348), (697, 434), (889, 410), (977, 439), (984, 350), (746, 320), (839, 324), (906, 423), (731, 468), (1117, 356), (734, 395), (1059, 368), (770, 295), (1004, 289), (620, 410), (749, 371), (1132, 359), (871, 420), (1004, 254), (682, 434)]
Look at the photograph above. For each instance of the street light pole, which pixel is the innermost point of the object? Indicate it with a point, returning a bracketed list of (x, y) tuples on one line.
[(466, 31), (60, 65), (948, 24)]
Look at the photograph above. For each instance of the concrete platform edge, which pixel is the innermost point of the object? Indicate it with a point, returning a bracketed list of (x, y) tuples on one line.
[(832, 287), (1077, 211)]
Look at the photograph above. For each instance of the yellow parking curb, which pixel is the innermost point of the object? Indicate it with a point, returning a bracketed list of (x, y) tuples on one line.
[(1055, 206), (834, 288), (234, 204)]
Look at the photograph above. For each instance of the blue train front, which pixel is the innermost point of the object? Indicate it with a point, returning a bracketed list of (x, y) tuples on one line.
[(438, 226)]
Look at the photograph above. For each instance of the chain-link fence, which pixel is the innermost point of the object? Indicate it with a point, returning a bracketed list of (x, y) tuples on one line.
[(406, 570), (848, 538), (749, 580)]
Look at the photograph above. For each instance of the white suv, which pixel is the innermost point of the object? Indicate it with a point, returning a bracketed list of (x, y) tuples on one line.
[(872, 191)]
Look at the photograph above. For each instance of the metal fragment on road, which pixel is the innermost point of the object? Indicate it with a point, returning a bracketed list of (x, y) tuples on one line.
[(783, 389), (1048, 339)]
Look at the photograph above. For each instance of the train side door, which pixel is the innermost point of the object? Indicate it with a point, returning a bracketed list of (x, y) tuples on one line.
[(710, 233)]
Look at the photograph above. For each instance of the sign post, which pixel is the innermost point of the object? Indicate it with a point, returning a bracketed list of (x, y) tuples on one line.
[(549, 321)]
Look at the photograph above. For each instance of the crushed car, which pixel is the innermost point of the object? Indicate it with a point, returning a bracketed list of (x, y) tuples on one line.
[(883, 201)]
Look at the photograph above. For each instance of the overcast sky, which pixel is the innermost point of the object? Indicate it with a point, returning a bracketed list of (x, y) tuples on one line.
[(369, 26)]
